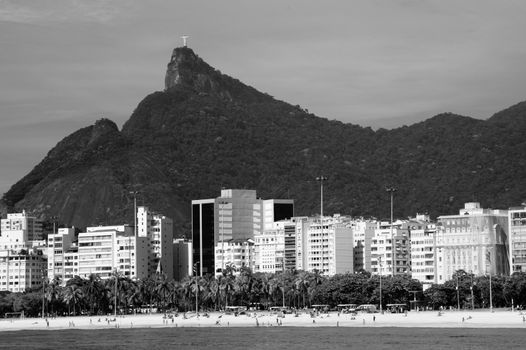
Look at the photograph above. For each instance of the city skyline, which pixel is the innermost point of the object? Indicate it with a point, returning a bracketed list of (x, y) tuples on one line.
[(66, 64)]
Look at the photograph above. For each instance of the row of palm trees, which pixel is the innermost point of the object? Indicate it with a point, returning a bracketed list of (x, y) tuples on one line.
[(298, 289), (96, 296)]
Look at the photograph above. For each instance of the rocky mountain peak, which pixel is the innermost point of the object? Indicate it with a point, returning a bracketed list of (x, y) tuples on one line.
[(187, 69)]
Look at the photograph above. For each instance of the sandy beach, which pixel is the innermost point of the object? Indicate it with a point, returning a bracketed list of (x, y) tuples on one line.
[(448, 319)]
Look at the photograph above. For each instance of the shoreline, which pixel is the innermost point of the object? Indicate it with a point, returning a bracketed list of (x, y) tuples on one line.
[(413, 319)]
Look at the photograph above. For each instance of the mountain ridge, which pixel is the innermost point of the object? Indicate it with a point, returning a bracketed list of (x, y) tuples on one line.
[(207, 130)]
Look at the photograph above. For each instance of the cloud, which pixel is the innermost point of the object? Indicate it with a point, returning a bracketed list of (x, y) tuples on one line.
[(36, 12)]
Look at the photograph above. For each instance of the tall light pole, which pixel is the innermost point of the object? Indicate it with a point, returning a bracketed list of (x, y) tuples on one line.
[(391, 190), (196, 265), (381, 304), (472, 297), (488, 258), (321, 179), (222, 231), (458, 296), (134, 193), (116, 276), (43, 290)]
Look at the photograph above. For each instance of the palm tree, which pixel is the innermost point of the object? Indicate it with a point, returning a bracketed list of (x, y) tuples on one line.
[(302, 282), (93, 288), (72, 294), (315, 279), (163, 288), (53, 291), (243, 285)]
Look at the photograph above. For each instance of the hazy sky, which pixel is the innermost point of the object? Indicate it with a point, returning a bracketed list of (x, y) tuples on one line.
[(66, 63)]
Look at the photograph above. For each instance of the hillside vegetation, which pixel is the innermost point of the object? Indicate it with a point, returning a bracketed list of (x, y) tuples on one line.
[(208, 131)]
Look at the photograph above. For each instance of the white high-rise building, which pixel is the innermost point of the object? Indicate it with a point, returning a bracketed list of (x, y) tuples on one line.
[(363, 233), (390, 253), (236, 254), (22, 265), (21, 269), (475, 241), (270, 250), (423, 245), (104, 250), (159, 230), (329, 246), (58, 245), (19, 230), (517, 238)]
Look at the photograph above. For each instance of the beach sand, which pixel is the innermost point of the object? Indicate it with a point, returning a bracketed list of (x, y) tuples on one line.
[(448, 319)]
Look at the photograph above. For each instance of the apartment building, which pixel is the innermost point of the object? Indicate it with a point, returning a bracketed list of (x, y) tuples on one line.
[(57, 247), (517, 238), (235, 254), (22, 264), (269, 252), (475, 241), (19, 230), (182, 258), (236, 214), (423, 246), (104, 250), (21, 269), (390, 254), (329, 245), (363, 233), (158, 229)]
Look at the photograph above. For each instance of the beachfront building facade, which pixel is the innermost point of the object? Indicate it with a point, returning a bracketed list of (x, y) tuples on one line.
[(475, 240), (158, 229), (182, 258), (22, 264), (57, 247), (234, 215), (328, 245), (423, 245), (106, 250), (390, 248), (21, 269), (234, 255), (517, 238), (269, 252), (363, 233), (19, 230)]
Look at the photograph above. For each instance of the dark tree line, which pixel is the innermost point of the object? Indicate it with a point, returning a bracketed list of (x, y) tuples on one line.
[(294, 289)]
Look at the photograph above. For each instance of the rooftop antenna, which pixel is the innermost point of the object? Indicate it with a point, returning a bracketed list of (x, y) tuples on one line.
[(184, 37)]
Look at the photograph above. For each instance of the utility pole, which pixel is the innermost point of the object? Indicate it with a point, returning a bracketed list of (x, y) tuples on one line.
[(196, 265), (392, 190), (116, 278), (222, 231), (321, 179), (380, 270), (458, 296), (472, 297)]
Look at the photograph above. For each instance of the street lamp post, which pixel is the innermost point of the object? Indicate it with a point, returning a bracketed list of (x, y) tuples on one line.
[(196, 265), (134, 193), (43, 294), (321, 179), (391, 190), (458, 296), (490, 294), (472, 297), (380, 271), (222, 229), (116, 279), (488, 258)]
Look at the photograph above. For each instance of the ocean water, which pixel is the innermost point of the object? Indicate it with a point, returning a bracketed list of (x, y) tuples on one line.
[(267, 338)]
